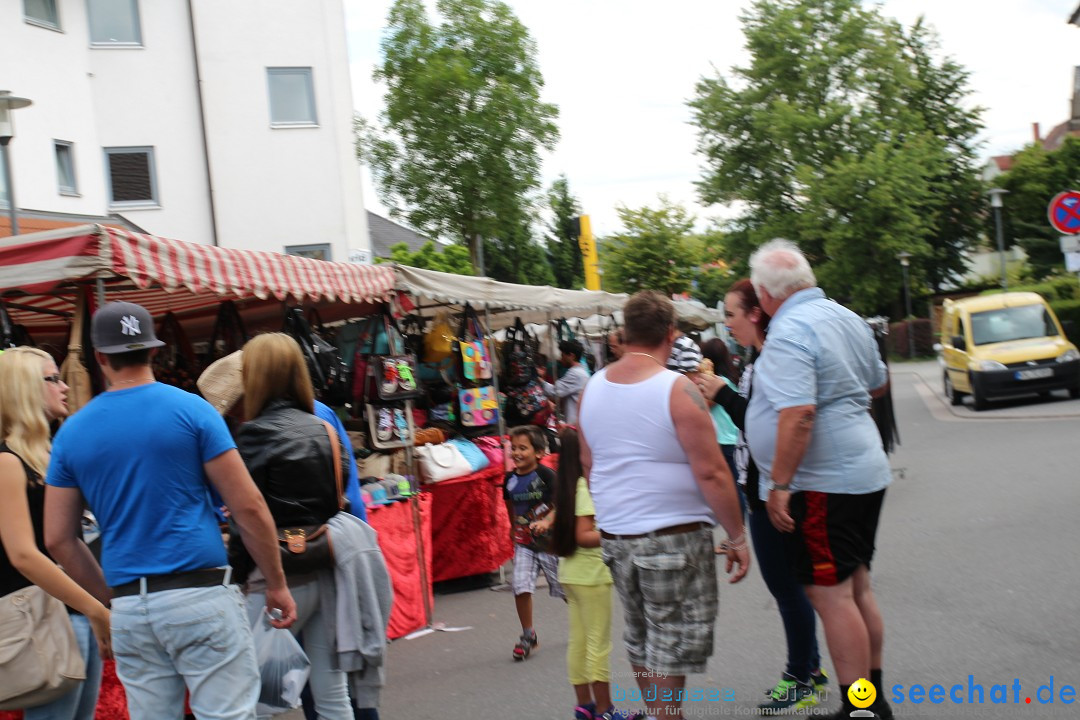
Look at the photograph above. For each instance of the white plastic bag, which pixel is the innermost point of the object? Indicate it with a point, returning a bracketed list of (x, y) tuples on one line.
[(283, 666)]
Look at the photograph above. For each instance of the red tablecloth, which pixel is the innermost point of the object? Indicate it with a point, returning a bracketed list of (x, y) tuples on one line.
[(397, 539), (470, 532), (112, 703)]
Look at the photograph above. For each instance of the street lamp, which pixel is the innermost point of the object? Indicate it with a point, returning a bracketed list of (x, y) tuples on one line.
[(995, 202), (9, 102), (905, 259)]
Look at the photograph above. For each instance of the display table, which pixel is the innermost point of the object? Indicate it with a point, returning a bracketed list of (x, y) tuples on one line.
[(470, 531), (397, 539)]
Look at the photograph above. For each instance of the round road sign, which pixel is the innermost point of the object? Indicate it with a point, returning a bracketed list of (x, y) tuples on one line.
[(1064, 212)]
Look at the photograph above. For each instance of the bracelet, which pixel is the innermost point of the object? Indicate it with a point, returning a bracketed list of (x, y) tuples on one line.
[(783, 487), (741, 540), (725, 546)]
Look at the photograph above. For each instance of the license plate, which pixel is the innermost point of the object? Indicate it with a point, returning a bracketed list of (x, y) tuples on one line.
[(1034, 374)]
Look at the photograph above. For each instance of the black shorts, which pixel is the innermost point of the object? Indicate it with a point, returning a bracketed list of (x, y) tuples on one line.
[(834, 535)]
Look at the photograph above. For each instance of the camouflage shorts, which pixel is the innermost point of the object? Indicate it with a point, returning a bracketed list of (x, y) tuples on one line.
[(669, 595)]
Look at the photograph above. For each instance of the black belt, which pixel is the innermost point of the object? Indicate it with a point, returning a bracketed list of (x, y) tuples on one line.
[(175, 581), (673, 530)]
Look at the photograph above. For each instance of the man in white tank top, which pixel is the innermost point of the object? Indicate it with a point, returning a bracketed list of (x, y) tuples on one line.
[(659, 483)]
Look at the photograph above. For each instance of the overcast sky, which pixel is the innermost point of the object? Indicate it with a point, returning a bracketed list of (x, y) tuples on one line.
[(620, 72)]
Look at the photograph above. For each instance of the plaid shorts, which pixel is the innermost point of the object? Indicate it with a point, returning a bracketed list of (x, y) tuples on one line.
[(527, 565), (669, 595)]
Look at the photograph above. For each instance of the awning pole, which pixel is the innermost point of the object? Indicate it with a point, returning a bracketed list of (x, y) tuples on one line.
[(100, 292)]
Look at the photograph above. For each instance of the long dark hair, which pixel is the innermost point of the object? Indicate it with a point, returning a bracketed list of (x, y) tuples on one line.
[(717, 351), (563, 532)]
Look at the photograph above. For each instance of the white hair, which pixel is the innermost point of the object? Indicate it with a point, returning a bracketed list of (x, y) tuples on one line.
[(780, 268)]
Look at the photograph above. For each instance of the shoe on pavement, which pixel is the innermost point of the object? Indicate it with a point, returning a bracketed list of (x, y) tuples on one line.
[(789, 694), (585, 712), (819, 680), (525, 645)]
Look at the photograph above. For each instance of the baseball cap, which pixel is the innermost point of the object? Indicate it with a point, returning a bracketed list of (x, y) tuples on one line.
[(119, 327)]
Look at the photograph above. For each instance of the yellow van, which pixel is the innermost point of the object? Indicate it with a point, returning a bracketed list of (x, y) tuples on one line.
[(997, 346)]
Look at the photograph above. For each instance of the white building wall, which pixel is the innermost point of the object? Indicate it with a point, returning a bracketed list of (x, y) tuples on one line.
[(285, 185), (271, 187)]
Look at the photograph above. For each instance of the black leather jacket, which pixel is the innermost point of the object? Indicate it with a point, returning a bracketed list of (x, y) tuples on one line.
[(287, 451)]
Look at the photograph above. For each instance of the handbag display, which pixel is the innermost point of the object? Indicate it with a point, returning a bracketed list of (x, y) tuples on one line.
[(438, 340), (307, 548), (527, 405), (429, 436), (39, 655), (470, 349), (476, 457), (519, 363), (479, 406), (441, 462), (329, 374), (383, 368)]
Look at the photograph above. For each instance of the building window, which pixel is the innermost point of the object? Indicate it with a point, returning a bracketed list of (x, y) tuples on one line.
[(114, 22), (41, 12), (292, 96), (131, 176), (315, 252), (65, 168)]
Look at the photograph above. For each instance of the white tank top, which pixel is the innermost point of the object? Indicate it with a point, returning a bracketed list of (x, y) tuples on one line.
[(641, 479)]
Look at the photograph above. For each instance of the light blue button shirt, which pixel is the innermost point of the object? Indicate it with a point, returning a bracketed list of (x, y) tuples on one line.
[(820, 353)]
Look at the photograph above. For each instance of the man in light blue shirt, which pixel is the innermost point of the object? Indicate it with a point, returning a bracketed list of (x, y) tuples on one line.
[(823, 468)]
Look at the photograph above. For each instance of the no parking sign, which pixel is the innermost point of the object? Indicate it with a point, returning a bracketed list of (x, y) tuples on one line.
[(1064, 212)]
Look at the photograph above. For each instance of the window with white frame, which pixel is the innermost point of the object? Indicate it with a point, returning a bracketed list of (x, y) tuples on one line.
[(315, 252), (65, 168), (114, 22), (131, 176), (292, 96), (41, 12)]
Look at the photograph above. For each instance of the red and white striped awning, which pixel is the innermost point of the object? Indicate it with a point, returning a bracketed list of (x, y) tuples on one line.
[(165, 275)]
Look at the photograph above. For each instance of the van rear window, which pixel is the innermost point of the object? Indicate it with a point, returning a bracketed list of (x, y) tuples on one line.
[(1012, 323)]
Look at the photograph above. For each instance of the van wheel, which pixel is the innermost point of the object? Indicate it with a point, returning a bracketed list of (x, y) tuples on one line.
[(952, 394)]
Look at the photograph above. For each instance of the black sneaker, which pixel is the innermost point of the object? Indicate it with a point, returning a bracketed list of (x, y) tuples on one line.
[(525, 645)]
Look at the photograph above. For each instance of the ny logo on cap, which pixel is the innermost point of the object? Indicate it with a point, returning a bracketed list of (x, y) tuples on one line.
[(129, 325)]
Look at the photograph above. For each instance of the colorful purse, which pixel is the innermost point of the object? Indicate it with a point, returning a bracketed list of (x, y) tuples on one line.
[(471, 350), (479, 406)]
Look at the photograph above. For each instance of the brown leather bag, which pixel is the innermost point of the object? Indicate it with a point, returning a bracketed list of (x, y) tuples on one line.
[(432, 436), (307, 548)]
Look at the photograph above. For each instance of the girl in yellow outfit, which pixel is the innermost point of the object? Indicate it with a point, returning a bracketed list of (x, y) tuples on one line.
[(587, 583)]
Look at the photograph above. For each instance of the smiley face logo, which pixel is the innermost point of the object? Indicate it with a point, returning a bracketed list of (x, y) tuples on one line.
[(862, 693)]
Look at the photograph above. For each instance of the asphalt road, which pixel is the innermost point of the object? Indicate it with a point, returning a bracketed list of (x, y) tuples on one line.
[(976, 574)]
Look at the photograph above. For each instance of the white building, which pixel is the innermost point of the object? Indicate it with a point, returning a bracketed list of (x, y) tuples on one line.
[(225, 123)]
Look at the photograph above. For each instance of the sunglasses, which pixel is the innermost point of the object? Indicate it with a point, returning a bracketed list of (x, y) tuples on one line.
[(54, 378)]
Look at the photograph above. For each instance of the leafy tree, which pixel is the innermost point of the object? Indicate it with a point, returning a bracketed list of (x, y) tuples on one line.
[(516, 257), (656, 251), (452, 259), (457, 150), (564, 252), (1035, 177), (845, 135)]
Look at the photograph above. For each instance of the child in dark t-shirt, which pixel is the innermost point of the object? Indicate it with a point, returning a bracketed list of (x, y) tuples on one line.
[(528, 494)]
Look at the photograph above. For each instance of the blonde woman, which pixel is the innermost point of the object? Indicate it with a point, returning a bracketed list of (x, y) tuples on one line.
[(287, 451), (31, 396)]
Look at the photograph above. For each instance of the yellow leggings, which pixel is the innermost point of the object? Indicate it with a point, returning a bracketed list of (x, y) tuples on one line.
[(589, 649)]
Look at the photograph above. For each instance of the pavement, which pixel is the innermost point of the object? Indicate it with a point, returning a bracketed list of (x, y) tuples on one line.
[(976, 575)]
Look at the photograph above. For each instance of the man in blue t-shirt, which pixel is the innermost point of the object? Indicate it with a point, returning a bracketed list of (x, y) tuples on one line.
[(145, 456)]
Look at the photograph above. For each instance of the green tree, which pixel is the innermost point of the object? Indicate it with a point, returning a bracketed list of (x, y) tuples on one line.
[(656, 251), (1035, 177), (516, 257), (457, 152), (845, 135), (452, 258), (563, 250)]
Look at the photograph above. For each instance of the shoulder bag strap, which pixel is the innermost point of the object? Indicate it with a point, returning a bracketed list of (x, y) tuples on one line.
[(335, 448)]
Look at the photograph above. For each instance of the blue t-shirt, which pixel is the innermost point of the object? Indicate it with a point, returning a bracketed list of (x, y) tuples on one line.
[(352, 483), (137, 456)]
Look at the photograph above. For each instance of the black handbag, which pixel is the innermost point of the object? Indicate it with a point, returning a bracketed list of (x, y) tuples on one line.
[(307, 548), (329, 375), (519, 364)]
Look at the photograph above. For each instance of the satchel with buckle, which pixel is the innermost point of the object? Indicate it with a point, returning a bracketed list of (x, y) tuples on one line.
[(307, 548)]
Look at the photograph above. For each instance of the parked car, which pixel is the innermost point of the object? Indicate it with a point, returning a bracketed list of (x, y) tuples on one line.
[(998, 346)]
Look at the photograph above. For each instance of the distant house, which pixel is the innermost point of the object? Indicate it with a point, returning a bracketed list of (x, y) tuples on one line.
[(385, 234)]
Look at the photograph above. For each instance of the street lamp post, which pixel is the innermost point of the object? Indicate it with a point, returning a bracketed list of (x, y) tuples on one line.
[(9, 102), (995, 202), (905, 260)]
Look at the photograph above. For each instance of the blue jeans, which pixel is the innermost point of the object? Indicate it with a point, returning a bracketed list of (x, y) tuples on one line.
[(79, 704), (329, 687), (729, 456), (194, 637), (795, 610)]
